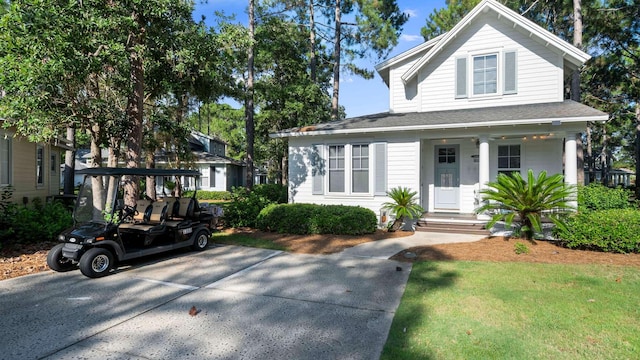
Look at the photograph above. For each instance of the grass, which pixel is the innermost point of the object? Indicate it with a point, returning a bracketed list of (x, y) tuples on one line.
[(243, 240), (483, 310)]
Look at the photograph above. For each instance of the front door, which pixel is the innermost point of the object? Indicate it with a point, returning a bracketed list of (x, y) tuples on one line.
[(447, 177)]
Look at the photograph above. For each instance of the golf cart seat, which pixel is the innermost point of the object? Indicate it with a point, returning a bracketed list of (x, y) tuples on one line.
[(182, 213), (143, 212), (153, 227), (171, 204)]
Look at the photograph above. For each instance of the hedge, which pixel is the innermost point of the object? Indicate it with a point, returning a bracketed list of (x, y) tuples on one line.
[(595, 196), (612, 230), (317, 219), (208, 195)]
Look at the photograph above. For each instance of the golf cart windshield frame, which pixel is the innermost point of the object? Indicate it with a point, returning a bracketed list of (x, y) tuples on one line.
[(104, 212)]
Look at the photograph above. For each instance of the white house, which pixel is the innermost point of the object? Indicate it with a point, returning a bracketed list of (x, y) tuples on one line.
[(484, 98)]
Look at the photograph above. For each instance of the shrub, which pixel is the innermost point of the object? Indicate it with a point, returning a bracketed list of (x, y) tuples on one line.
[(611, 230), (208, 195), (512, 195), (38, 222), (594, 197), (275, 193), (317, 219), (521, 248), (244, 207), (404, 205)]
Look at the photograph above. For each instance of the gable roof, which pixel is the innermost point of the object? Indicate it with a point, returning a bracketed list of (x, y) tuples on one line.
[(546, 113), (384, 67), (570, 53)]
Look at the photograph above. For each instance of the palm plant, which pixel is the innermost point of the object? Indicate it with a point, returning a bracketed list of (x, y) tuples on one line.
[(510, 196), (404, 204)]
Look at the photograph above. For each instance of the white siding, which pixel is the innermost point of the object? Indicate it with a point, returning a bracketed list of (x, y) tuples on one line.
[(220, 177), (403, 99), (403, 158), (539, 71), (537, 155)]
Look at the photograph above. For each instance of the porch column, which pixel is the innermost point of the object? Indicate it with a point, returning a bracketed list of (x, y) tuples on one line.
[(483, 169), (483, 165), (571, 162)]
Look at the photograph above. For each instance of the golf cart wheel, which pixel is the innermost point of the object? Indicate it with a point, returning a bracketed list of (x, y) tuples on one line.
[(96, 262), (57, 262), (201, 241)]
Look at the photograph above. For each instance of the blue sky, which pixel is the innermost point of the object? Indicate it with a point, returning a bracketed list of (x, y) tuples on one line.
[(358, 96)]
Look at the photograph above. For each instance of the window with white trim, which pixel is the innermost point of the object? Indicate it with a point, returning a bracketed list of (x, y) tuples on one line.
[(485, 74), (488, 74), (5, 160), (39, 165), (336, 168), (509, 159), (360, 168)]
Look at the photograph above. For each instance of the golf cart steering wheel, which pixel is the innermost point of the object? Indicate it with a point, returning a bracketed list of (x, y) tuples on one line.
[(129, 211)]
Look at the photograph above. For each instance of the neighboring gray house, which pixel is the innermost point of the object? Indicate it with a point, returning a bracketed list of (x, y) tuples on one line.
[(485, 98), (219, 172)]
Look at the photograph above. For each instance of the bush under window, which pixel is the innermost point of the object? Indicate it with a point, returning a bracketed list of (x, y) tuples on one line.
[(317, 219)]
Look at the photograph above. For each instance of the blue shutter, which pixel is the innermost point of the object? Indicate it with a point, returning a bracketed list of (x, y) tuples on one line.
[(380, 170), (317, 170), (510, 73), (461, 77)]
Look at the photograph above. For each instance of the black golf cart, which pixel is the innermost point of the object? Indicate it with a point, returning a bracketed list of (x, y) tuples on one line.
[(106, 231)]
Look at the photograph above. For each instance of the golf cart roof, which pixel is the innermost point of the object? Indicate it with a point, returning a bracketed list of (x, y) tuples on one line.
[(107, 171)]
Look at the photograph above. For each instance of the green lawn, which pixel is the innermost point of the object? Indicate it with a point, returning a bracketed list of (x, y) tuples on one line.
[(243, 240), (482, 310)]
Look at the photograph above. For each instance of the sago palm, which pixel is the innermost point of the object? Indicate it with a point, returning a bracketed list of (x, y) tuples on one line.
[(404, 205), (511, 195)]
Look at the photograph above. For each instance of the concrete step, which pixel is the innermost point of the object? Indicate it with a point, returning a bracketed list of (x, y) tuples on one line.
[(475, 227)]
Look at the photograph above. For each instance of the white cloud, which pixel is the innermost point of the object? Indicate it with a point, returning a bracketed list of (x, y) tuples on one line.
[(410, 38), (411, 12), (347, 80)]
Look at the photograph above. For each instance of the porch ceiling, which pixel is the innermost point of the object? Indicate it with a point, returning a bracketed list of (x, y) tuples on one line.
[(567, 111)]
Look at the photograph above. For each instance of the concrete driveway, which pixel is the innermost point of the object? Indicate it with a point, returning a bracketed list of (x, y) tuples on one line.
[(250, 304)]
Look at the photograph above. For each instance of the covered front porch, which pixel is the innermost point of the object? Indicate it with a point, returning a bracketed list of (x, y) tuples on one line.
[(456, 166)]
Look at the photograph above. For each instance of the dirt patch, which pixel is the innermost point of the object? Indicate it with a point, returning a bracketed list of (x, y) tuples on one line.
[(318, 244), (18, 260), (28, 259), (501, 249)]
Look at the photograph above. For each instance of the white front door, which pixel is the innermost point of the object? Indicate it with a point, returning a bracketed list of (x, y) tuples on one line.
[(447, 177)]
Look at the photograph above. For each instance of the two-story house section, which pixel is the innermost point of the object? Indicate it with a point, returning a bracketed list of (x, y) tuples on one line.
[(219, 172), (487, 97)]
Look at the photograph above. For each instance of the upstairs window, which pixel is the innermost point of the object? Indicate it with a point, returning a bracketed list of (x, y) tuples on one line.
[(485, 74)]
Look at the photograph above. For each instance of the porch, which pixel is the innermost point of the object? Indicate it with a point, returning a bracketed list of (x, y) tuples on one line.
[(453, 170)]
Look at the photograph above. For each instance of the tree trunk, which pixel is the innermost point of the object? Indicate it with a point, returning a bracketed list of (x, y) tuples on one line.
[(96, 181), (70, 162), (312, 42), (336, 63), (135, 110), (575, 82), (249, 125), (591, 160), (637, 151), (397, 224)]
